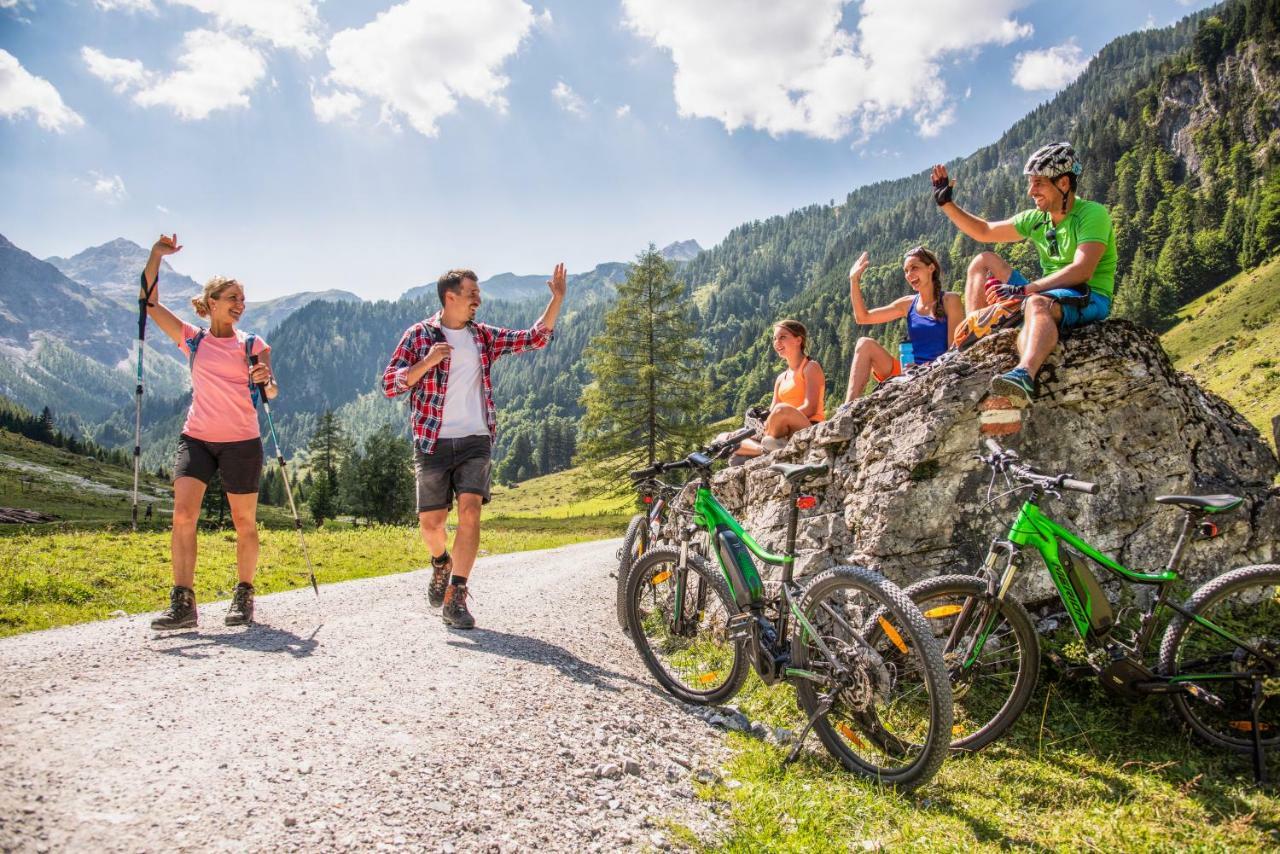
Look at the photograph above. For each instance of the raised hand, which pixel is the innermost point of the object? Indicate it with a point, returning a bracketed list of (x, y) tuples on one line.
[(558, 283), (166, 245), (942, 185), (859, 267)]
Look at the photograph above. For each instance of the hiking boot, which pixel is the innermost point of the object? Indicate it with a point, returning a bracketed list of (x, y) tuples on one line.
[(455, 611), (181, 613), (439, 580), (241, 611), (1017, 385)]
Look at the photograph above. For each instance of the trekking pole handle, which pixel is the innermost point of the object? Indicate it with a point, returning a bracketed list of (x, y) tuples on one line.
[(262, 387)]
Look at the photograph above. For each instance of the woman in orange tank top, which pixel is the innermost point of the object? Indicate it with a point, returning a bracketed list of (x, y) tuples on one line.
[(799, 392)]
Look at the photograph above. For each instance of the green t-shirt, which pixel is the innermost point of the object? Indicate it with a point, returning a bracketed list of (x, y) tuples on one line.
[(1088, 222)]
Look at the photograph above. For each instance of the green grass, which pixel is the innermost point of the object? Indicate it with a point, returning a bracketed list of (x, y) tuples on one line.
[(1080, 770), (52, 578), (561, 495), (1229, 340)]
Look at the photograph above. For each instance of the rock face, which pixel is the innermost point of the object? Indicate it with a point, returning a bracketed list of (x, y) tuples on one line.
[(907, 495)]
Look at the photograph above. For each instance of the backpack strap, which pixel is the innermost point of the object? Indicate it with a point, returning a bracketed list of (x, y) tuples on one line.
[(193, 344)]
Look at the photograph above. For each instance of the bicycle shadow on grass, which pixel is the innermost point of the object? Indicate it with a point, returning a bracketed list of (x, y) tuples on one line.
[(255, 638), (538, 651)]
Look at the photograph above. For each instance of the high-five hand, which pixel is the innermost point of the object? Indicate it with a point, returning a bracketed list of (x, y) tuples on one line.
[(859, 267), (941, 185), (166, 245), (558, 283)]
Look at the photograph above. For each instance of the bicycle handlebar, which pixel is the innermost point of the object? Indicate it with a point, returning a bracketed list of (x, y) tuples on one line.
[(1005, 459), (698, 459)]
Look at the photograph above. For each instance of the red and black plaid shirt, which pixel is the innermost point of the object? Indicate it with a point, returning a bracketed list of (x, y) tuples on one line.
[(427, 398)]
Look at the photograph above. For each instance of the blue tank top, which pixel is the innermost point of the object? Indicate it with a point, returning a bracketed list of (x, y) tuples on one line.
[(928, 335)]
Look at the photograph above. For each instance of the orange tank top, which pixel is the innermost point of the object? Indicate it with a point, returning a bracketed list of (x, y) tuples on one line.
[(791, 389)]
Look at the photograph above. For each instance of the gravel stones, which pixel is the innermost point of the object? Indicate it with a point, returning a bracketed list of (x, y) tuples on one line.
[(355, 723)]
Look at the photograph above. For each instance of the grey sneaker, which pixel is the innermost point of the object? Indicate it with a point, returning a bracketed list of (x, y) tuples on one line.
[(241, 611), (181, 613)]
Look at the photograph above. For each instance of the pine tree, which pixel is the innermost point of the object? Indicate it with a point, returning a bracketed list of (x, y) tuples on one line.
[(648, 390), (46, 427), (383, 478)]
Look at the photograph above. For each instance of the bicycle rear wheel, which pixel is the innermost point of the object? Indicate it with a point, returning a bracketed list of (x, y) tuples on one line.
[(634, 544), (1246, 603), (883, 701), (679, 620), (992, 692)]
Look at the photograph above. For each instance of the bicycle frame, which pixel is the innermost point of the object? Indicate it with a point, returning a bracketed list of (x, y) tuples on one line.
[(1032, 529)]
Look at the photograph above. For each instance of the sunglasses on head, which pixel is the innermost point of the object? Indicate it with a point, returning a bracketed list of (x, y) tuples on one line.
[(1050, 234)]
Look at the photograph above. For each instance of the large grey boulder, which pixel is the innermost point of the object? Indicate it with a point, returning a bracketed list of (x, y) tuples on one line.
[(907, 495)]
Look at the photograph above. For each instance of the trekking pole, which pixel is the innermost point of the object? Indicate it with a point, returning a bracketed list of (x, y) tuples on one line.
[(143, 300), (284, 475)]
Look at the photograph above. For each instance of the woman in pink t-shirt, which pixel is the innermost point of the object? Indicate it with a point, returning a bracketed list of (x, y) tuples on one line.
[(220, 434)]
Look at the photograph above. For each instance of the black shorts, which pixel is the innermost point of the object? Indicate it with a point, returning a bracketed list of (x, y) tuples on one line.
[(457, 466), (239, 462)]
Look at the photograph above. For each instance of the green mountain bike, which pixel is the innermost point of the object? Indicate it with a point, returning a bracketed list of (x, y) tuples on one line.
[(1219, 660), (868, 673)]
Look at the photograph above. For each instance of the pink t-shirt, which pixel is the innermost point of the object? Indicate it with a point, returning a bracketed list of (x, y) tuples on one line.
[(221, 408)]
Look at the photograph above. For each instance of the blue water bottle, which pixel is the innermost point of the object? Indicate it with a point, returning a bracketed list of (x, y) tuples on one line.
[(906, 355)]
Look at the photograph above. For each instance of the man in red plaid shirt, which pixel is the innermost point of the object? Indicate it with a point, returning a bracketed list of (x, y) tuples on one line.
[(444, 363)]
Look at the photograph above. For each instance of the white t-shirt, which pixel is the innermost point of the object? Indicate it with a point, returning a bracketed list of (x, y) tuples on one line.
[(464, 395)]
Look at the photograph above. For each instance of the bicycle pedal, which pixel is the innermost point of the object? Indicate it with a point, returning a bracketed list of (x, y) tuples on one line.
[(1067, 670), (1203, 695), (740, 626)]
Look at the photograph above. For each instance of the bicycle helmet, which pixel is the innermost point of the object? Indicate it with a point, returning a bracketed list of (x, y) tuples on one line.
[(1052, 161)]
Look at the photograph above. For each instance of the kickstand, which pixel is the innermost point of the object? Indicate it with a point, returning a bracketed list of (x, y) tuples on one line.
[(824, 706), (1259, 758)]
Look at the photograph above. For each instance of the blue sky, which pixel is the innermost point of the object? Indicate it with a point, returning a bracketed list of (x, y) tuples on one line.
[(371, 145)]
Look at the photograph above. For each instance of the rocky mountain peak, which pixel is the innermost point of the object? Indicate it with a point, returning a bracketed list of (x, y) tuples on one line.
[(681, 250)]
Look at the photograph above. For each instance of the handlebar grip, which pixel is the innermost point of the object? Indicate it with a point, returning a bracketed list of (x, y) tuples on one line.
[(1080, 485), (992, 446), (641, 474)]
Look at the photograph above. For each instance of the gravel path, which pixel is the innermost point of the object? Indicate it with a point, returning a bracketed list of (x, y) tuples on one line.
[(355, 721)]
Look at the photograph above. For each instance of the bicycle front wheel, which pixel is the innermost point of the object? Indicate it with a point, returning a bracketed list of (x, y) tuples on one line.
[(1246, 604), (634, 544), (881, 702), (991, 685), (679, 621)]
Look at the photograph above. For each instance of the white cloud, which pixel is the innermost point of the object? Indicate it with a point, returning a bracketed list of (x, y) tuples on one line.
[(216, 72), (420, 57), (123, 74), (292, 24), (792, 67), (109, 187), (162, 209), (931, 124), (125, 5), (1049, 69), (568, 100), (335, 106), (21, 92), (623, 111)]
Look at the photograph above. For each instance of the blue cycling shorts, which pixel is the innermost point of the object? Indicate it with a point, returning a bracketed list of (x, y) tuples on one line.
[(1097, 307)]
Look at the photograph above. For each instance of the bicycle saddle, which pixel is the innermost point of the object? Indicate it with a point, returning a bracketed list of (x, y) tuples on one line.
[(1207, 503), (798, 473)]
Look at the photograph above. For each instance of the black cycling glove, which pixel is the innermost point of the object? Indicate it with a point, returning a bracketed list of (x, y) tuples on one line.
[(942, 191)]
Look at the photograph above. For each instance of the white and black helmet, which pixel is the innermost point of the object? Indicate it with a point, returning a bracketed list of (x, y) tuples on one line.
[(1053, 161)]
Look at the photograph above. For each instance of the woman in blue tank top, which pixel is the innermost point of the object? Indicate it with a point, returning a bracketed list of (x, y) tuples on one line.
[(932, 316)]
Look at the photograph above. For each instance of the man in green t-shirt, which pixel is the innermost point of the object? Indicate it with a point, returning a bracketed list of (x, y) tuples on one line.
[(1077, 248)]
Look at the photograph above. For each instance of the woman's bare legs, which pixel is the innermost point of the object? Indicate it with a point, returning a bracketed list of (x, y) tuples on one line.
[(868, 355)]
